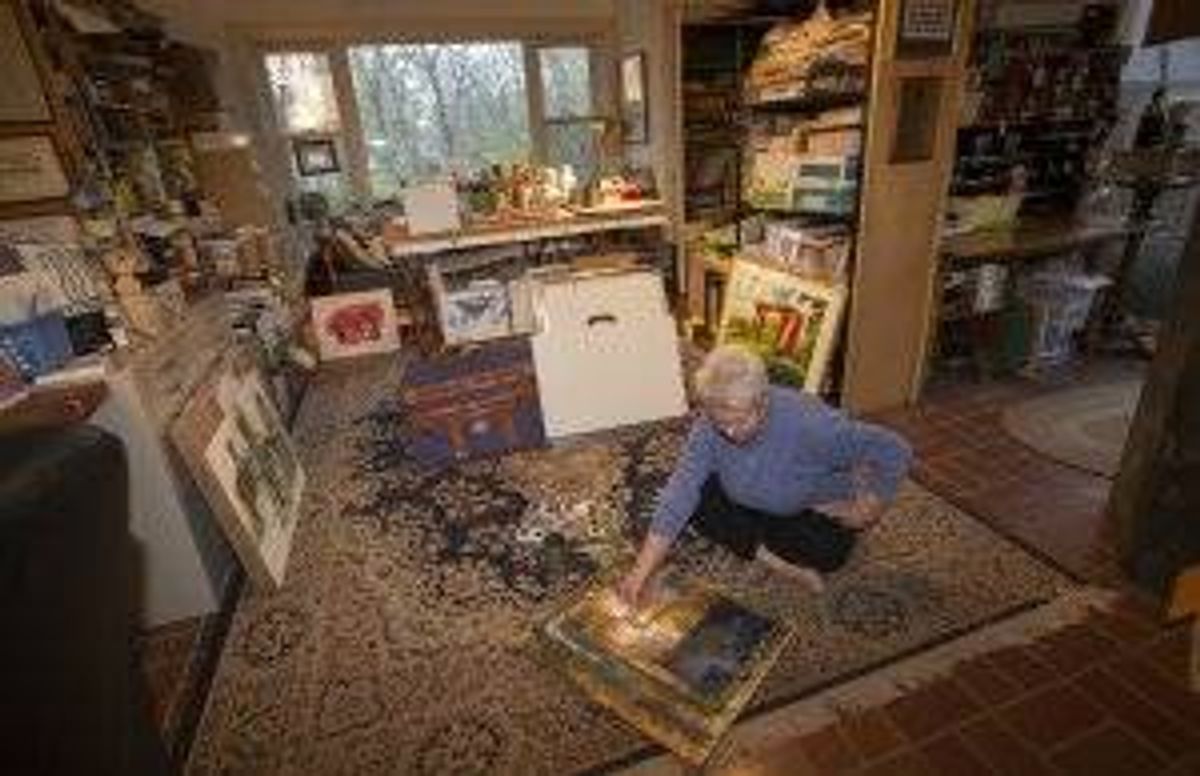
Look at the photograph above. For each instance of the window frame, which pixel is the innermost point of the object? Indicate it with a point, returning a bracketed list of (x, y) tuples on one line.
[(350, 138)]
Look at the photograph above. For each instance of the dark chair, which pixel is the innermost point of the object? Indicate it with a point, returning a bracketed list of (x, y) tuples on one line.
[(71, 699)]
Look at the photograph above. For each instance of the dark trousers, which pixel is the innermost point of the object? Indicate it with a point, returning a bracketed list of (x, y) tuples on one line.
[(810, 538)]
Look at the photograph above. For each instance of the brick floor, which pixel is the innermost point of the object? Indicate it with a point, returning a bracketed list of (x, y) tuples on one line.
[(964, 455), (1106, 697)]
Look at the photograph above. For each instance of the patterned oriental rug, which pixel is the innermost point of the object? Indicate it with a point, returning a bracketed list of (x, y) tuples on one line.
[(401, 641)]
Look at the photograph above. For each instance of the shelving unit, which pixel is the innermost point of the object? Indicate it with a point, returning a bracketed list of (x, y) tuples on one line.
[(798, 117), (130, 97), (715, 54), (1038, 106)]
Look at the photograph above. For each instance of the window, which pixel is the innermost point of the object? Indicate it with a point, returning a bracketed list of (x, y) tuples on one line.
[(306, 109), (434, 108), (427, 109), (574, 134)]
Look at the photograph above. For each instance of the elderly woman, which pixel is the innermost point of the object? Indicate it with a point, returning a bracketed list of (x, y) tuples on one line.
[(771, 473)]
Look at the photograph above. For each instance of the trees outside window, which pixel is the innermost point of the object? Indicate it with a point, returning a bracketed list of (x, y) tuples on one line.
[(573, 131), (435, 108)]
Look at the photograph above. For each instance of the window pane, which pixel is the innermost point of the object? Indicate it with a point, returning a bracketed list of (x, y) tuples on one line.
[(331, 185), (576, 143), (302, 89), (566, 81), (434, 108)]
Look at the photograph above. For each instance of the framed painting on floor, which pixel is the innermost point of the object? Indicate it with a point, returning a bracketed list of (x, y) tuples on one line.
[(789, 320), (237, 448), (680, 669), (355, 324)]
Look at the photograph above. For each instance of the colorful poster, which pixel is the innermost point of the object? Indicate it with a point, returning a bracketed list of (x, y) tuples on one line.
[(791, 321)]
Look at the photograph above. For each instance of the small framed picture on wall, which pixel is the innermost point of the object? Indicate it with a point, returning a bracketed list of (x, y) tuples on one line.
[(926, 29), (315, 156)]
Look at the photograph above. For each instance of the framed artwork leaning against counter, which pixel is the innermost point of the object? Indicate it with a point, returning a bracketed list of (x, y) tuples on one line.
[(237, 448), (789, 320)]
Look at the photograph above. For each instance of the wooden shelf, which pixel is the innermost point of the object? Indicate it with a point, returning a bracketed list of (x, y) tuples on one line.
[(816, 215), (1028, 239), (819, 102)]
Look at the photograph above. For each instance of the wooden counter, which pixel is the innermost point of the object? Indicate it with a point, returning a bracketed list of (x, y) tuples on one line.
[(1027, 240), (650, 215)]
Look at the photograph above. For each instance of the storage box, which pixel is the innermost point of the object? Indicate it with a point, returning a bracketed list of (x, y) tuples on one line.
[(38, 345)]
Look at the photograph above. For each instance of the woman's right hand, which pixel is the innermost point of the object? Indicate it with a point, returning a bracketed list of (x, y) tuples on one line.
[(629, 590)]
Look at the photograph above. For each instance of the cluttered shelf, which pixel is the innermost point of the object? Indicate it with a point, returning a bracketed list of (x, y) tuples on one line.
[(1028, 238), (817, 217), (639, 215), (800, 100)]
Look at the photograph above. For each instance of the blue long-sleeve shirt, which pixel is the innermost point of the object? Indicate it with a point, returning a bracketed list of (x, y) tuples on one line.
[(806, 454)]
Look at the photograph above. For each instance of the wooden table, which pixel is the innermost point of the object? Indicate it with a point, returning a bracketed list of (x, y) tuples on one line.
[(646, 215), (1030, 239)]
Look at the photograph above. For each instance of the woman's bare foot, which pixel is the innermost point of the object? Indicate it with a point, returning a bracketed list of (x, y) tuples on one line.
[(810, 578)]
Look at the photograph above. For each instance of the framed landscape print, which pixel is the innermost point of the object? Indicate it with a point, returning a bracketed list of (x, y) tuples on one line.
[(680, 669), (30, 170), (790, 321), (239, 452), (355, 324), (316, 156)]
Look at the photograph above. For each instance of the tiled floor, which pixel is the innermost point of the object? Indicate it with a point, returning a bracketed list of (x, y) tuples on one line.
[(1106, 697), (964, 455)]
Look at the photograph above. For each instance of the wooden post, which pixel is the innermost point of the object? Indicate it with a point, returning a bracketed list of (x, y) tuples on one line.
[(1154, 505), (1185, 602), (913, 117)]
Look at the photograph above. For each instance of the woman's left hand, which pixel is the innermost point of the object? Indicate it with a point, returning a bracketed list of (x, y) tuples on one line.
[(860, 513)]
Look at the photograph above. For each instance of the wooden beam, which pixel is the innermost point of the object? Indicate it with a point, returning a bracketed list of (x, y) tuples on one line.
[(1154, 505), (903, 198)]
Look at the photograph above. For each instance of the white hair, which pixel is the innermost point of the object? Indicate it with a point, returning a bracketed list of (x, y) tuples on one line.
[(731, 374)]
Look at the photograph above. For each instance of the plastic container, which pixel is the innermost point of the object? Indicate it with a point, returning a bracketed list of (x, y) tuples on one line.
[(1061, 304)]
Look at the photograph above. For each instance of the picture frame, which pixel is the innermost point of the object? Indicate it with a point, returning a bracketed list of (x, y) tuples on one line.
[(237, 448), (635, 117), (681, 672), (22, 100), (316, 156), (926, 29), (792, 322), (355, 324), (31, 170), (479, 312)]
